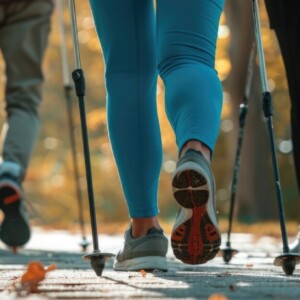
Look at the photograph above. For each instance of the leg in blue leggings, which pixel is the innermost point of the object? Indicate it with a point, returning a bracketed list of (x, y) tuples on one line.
[(187, 34), (126, 29), (184, 53)]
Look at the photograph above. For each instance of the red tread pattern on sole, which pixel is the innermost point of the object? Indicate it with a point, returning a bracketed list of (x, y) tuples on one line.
[(197, 240)]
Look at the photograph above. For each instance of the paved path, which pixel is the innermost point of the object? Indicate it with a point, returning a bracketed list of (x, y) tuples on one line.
[(249, 275)]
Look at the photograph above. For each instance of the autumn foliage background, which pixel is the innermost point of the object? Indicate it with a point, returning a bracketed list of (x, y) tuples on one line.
[(50, 185)]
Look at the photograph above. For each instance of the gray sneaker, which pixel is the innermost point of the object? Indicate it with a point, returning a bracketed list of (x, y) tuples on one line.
[(143, 253), (195, 237), (14, 230)]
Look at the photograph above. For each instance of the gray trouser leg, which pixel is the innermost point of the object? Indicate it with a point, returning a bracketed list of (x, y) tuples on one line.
[(24, 30)]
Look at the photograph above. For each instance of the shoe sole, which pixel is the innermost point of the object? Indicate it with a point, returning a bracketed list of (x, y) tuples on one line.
[(142, 263), (14, 231), (196, 239)]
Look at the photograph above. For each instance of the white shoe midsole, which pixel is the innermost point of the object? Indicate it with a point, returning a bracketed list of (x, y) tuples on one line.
[(140, 263)]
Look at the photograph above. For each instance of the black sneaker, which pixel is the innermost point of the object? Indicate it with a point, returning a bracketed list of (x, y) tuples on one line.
[(14, 230), (195, 236)]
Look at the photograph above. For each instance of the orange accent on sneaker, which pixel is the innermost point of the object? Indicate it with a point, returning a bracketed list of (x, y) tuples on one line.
[(179, 233), (11, 199), (211, 233)]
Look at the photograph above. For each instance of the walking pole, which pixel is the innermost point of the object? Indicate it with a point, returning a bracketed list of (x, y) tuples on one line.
[(286, 260), (96, 258), (227, 251), (67, 89)]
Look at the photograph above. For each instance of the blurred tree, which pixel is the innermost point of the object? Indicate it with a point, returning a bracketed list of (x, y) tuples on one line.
[(256, 199), (255, 193)]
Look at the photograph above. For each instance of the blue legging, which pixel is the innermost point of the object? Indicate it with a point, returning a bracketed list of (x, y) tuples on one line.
[(179, 43)]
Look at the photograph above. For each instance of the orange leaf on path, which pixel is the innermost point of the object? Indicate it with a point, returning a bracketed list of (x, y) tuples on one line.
[(143, 273), (217, 297), (34, 274)]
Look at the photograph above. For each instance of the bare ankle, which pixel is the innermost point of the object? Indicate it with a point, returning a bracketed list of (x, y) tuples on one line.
[(140, 226), (198, 146)]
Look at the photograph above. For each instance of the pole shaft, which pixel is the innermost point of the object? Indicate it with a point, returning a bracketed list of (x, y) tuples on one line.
[(75, 161), (278, 189), (262, 64), (267, 107), (79, 82), (242, 120), (63, 48), (74, 34), (89, 179), (67, 90)]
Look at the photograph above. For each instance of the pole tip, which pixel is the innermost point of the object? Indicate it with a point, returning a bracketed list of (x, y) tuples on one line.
[(98, 260)]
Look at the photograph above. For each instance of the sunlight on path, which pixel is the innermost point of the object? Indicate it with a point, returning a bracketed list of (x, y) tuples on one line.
[(63, 240)]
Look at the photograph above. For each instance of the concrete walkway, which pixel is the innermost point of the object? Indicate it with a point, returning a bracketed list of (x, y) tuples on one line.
[(249, 275)]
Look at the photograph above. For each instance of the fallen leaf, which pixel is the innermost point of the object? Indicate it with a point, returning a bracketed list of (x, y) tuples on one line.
[(34, 274), (143, 273), (217, 297)]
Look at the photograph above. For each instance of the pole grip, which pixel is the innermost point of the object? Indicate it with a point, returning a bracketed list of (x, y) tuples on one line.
[(79, 82), (267, 104)]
